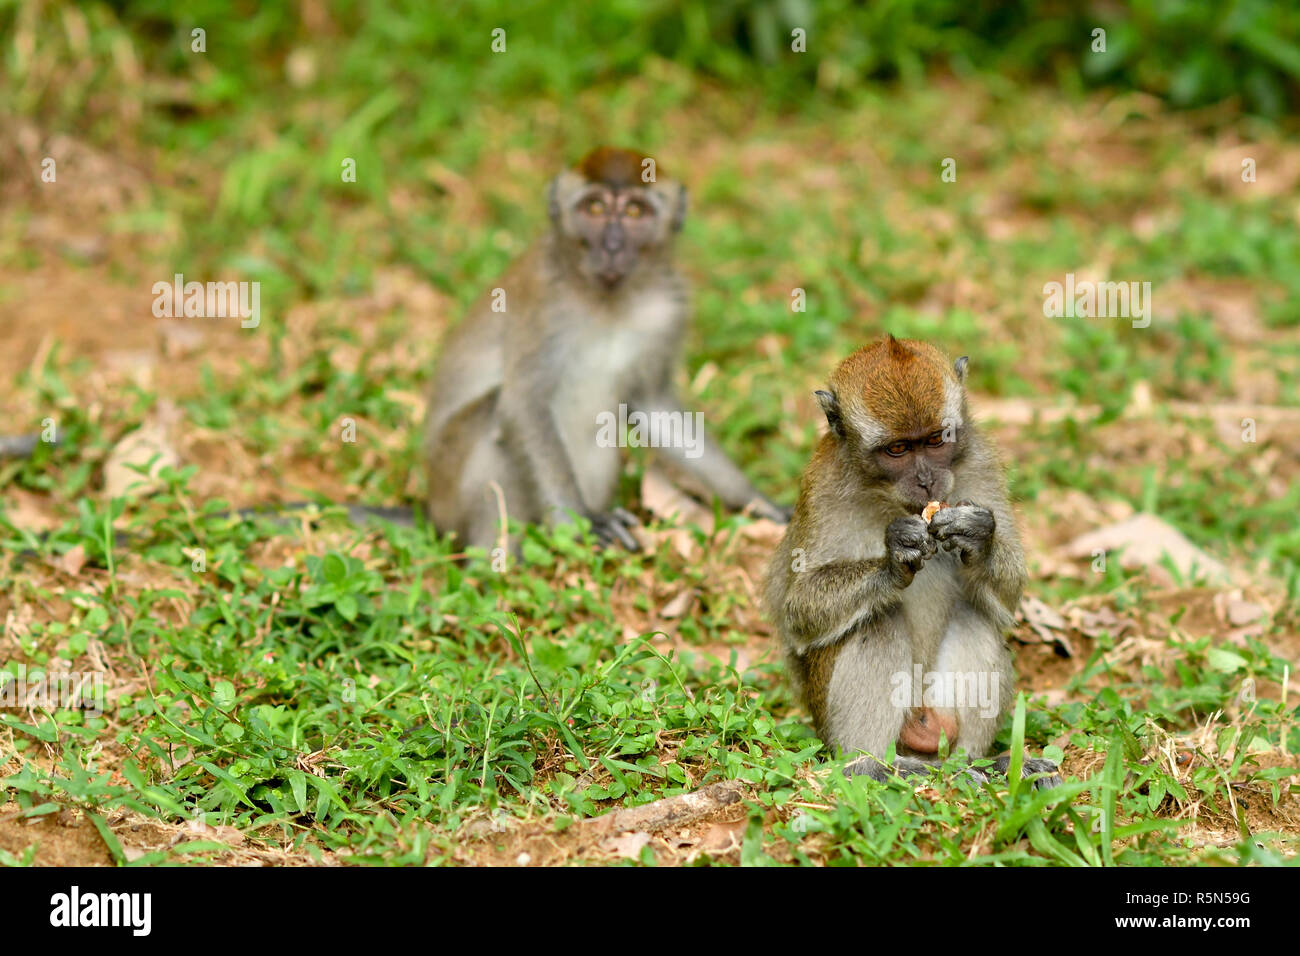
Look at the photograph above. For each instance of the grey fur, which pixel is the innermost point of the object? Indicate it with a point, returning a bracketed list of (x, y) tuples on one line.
[(516, 394), (881, 592)]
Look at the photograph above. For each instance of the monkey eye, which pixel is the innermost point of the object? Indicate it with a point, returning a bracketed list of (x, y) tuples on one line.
[(595, 207), (634, 210), (935, 440), (897, 450)]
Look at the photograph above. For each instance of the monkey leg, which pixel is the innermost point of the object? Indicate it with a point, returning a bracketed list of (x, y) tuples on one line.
[(868, 695), (975, 686), (972, 682), (491, 487), (473, 479), (464, 459)]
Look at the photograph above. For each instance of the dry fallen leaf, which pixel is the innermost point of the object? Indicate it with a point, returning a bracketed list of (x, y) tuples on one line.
[(1047, 625), (679, 605), (198, 830), (1098, 622), (1143, 542), (764, 531), (1232, 608), (627, 845), (136, 450), (722, 837), (72, 561), (670, 504)]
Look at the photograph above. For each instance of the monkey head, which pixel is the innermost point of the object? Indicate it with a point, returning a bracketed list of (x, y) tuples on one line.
[(613, 211), (897, 410)]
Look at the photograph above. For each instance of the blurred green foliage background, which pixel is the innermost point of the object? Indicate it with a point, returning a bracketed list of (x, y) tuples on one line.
[(1189, 52)]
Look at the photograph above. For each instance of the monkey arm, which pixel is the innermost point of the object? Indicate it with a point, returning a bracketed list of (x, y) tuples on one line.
[(531, 431), (992, 559), (822, 605), (995, 584)]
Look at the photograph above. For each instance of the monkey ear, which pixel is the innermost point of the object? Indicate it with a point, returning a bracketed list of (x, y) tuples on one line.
[(959, 367), (831, 406)]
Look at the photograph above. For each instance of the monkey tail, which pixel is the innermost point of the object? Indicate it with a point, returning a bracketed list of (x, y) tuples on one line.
[(401, 515), (17, 446)]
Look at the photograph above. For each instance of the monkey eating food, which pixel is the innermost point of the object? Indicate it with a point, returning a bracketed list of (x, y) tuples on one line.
[(892, 620), (932, 509), (591, 318)]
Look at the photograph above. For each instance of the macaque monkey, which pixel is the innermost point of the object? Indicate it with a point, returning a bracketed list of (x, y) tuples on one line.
[(892, 626), (591, 317)]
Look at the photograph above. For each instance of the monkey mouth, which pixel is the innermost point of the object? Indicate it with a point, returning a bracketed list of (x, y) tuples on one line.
[(609, 277)]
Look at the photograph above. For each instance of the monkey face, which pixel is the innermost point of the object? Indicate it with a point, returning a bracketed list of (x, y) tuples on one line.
[(610, 227), (614, 228), (899, 410), (919, 465)]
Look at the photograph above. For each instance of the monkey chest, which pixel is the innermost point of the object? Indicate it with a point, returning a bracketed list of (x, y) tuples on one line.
[(930, 602), (613, 364), (604, 378)]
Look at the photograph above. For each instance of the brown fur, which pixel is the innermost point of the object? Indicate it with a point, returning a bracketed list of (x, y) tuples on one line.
[(814, 676), (860, 595), (612, 166), (900, 384)]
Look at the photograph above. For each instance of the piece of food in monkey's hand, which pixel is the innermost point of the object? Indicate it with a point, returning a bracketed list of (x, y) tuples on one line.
[(932, 509)]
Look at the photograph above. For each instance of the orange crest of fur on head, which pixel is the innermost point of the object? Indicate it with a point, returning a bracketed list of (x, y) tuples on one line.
[(612, 166), (902, 385)]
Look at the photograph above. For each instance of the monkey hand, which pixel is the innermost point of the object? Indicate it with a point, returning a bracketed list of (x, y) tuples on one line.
[(907, 544), (611, 527), (964, 529)]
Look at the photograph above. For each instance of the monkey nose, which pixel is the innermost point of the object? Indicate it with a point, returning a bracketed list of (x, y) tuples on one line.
[(611, 239)]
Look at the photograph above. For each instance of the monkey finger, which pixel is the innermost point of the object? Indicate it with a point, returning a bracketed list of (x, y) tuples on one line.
[(1048, 768), (624, 536), (946, 526), (625, 516)]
